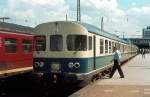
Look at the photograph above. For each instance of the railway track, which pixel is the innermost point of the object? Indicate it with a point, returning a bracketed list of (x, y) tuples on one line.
[(28, 85)]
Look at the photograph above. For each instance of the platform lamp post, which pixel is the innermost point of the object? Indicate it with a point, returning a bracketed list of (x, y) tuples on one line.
[(66, 17), (4, 18), (123, 34), (102, 23), (78, 11)]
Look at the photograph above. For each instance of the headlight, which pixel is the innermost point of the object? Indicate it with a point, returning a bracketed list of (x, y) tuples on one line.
[(55, 66), (38, 64), (70, 65), (73, 65), (77, 65)]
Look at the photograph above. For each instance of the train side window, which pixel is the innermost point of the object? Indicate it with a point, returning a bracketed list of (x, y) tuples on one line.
[(112, 47), (90, 43), (27, 46), (10, 45), (56, 43), (1, 41), (101, 46), (106, 46), (121, 48), (116, 44), (125, 48), (40, 43), (110, 51), (77, 42)]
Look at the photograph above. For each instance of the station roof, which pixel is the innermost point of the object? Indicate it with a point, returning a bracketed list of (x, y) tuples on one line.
[(15, 28)]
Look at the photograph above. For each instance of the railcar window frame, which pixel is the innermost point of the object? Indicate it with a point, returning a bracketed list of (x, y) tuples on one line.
[(101, 46), (27, 45), (42, 43), (10, 42), (121, 47), (106, 46), (110, 47), (124, 48), (113, 45), (56, 43), (76, 42)]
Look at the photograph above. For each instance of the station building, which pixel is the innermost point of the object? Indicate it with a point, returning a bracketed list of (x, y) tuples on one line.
[(146, 32), (143, 42)]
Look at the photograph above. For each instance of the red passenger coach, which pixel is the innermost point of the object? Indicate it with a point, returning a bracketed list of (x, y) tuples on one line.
[(16, 53)]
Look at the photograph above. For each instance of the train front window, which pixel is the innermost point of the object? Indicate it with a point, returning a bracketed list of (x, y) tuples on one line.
[(10, 45), (56, 43), (27, 46), (77, 42), (90, 42), (40, 43)]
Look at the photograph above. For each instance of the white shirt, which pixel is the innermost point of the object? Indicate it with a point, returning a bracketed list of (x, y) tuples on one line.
[(117, 55)]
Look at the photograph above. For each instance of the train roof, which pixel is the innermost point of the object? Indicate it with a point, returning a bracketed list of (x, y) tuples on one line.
[(96, 30), (91, 29), (15, 28)]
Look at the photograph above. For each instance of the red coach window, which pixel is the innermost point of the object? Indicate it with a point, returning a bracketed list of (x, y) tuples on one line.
[(10, 45), (27, 46), (0, 42)]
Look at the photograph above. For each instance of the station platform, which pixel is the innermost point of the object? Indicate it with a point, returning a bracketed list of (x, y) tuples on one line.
[(135, 84)]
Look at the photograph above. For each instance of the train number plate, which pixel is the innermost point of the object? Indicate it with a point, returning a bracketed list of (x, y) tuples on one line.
[(55, 67)]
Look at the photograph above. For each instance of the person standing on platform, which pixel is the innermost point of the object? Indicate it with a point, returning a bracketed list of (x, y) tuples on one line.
[(143, 53), (116, 59)]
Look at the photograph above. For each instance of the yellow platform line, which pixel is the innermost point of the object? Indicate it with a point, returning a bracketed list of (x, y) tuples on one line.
[(6, 73)]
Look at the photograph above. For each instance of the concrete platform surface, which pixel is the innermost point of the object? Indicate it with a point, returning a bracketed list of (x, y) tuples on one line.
[(135, 84)]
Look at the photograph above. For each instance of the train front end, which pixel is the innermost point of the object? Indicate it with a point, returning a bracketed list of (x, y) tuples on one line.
[(61, 50)]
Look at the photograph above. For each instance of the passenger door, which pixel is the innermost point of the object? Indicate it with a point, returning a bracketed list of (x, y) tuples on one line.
[(94, 52)]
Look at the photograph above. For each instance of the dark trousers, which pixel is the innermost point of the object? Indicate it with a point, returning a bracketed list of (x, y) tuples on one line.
[(115, 67)]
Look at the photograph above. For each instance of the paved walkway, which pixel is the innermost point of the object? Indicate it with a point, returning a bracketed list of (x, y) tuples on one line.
[(135, 84)]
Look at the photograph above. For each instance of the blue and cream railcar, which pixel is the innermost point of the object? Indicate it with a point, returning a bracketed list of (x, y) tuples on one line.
[(76, 50)]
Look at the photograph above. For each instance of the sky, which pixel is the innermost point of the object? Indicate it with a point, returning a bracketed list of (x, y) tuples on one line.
[(120, 16)]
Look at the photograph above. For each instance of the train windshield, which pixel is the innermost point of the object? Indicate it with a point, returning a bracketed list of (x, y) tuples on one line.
[(77, 42), (56, 43), (40, 43)]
